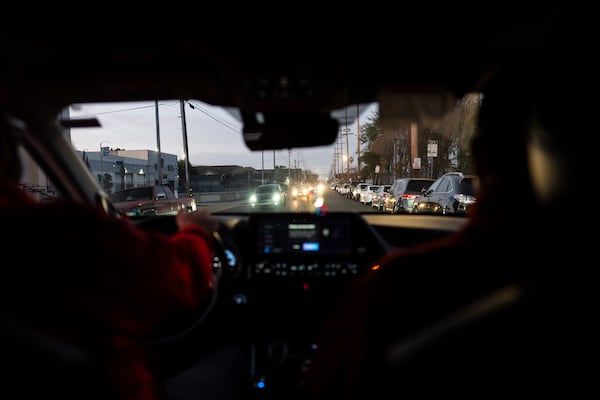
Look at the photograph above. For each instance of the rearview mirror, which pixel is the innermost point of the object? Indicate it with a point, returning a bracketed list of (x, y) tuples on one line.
[(275, 131)]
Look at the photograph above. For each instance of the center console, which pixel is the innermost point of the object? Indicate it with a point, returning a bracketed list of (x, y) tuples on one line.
[(297, 267)]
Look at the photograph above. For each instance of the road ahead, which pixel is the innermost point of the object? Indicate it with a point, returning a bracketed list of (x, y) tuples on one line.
[(333, 201)]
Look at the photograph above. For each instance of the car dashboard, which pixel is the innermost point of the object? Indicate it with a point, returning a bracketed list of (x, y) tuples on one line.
[(281, 274), (293, 268)]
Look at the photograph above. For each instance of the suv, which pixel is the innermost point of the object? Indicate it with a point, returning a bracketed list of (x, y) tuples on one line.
[(451, 193), (403, 193), (268, 195)]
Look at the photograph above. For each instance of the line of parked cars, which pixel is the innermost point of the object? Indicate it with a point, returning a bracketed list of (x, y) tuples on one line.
[(452, 193)]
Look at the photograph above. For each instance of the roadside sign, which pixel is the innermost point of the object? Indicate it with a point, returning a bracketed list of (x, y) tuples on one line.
[(416, 163), (432, 148)]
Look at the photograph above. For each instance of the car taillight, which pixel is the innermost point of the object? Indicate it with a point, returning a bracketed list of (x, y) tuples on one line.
[(409, 196)]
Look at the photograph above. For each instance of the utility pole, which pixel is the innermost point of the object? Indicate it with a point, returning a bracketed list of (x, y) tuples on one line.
[(347, 130), (414, 148), (341, 153), (185, 148), (102, 164), (158, 154), (296, 170), (357, 141)]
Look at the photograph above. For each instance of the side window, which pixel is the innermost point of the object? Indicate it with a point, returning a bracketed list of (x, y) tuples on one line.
[(444, 185), (435, 185)]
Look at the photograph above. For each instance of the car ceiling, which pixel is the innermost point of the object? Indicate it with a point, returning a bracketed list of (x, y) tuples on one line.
[(111, 57)]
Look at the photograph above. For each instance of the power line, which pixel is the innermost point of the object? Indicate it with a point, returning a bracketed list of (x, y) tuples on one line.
[(126, 109), (226, 124)]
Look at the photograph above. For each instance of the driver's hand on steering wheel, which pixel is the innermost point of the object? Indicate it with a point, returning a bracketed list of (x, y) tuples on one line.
[(199, 217)]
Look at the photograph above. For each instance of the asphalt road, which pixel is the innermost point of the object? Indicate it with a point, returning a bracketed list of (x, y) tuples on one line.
[(332, 200)]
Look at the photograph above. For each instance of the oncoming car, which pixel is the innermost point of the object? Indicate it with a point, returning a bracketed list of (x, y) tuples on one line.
[(268, 195), (302, 192)]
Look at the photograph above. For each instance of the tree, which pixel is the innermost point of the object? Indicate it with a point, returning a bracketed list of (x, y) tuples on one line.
[(457, 129), (370, 131), (370, 159), (390, 148)]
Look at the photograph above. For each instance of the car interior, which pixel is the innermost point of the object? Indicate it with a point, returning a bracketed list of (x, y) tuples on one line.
[(272, 297)]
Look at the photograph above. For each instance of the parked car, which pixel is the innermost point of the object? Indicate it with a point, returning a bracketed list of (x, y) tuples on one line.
[(350, 190), (403, 193), (345, 189), (268, 195), (366, 194), (149, 200), (451, 193), (358, 190), (378, 199)]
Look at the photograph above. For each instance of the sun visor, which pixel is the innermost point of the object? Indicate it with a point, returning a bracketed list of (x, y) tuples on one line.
[(275, 131)]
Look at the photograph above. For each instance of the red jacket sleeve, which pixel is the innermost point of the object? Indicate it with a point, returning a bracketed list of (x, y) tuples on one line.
[(100, 282), (155, 276), (82, 265)]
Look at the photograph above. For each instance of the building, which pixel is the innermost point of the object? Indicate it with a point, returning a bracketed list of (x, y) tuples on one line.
[(117, 168)]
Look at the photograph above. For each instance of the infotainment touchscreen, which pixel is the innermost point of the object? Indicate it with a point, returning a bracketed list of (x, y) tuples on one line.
[(306, 236)]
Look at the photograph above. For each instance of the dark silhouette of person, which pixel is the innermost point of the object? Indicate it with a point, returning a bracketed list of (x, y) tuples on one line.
[(98, 282), (413, 326)]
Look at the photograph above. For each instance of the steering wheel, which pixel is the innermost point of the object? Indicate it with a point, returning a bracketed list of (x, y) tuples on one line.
[(225, 261)]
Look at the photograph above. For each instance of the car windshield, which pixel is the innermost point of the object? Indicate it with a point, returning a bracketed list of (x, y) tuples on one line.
[(267, 189), (203, 152)]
